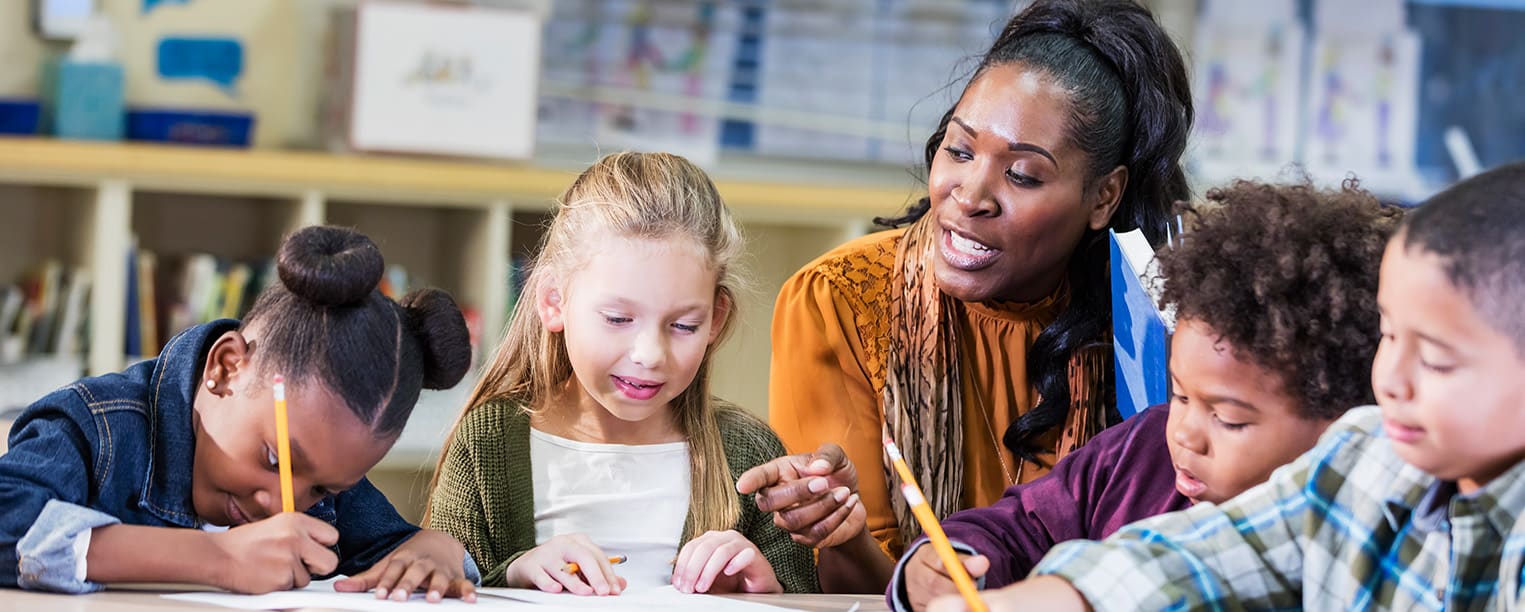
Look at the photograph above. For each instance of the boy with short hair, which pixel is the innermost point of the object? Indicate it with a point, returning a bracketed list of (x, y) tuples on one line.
[(1409, 505)]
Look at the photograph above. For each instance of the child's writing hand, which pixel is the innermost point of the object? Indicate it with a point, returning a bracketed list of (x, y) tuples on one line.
[(926, 578), (1041, 593), (278, 553), (544, 568), (812, 495), (430, 559), (723, 562)]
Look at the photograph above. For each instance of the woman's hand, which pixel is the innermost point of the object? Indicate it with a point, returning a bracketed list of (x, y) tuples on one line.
[(813, 495), (544, 568), (723, 562), (432, 560)]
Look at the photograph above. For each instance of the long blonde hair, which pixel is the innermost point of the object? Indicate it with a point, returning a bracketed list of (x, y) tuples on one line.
[(654, 196)]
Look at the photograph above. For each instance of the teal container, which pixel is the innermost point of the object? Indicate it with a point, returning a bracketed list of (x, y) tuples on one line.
[(90, 101)]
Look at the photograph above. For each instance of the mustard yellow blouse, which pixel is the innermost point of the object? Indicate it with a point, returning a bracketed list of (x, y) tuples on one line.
[(830, 338)]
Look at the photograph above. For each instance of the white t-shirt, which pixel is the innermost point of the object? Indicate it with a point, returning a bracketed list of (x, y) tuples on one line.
[(630, 500)]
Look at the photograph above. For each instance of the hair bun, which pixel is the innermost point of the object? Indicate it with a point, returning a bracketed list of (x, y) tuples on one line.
[(442, 335), (330, 266)]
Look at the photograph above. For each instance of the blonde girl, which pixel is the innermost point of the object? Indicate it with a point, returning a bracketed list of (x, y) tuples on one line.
[(592, 433)]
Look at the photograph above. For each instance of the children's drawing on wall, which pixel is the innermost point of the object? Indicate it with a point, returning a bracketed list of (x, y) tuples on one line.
[(672, 51), (818, 58), (1364, 103), (621, 75), (1383, 89), (569, 63), (1268, 90), (1249, 95), (1331, 115), (1214, 122)]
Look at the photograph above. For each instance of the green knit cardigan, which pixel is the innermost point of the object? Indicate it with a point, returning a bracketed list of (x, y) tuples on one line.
[(485, 496)]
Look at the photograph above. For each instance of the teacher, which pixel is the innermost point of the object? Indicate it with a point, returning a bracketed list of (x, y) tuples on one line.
[(977, 333)]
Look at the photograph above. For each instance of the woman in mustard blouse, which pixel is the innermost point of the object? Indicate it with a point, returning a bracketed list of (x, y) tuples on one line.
[(977, 334)]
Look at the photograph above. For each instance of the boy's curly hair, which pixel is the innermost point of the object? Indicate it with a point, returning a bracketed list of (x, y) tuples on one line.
[(1287, 274)]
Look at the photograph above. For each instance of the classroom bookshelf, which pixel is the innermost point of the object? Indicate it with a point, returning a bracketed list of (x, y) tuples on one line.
[(455, 224)]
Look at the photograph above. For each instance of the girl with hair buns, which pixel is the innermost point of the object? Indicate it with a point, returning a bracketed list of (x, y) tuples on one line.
[(976, 335), (167, 471)]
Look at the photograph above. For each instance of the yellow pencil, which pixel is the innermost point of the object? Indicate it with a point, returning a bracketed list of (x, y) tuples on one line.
[(939, 541), (283, 445), (899, 463), (934, 530), (573, 567)]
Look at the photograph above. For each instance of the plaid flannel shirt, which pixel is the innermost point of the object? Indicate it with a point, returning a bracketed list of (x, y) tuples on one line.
[(1346, 526)]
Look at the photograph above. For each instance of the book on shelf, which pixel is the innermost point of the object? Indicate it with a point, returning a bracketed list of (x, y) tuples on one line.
[(1141, 328), (148, 319), (12, 343), (74, 310), (394, 284), (234, 285), (192, 292), (168, 294), (44, 313), (43, 303), (132, 331), (473, 319)]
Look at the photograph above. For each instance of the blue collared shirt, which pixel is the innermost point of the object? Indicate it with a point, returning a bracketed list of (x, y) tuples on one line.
[(119, 448)]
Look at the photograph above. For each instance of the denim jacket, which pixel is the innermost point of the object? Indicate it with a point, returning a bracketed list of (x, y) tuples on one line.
[(118, 449)]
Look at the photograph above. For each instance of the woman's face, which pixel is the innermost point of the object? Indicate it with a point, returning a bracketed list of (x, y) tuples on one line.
[(1011, 194)]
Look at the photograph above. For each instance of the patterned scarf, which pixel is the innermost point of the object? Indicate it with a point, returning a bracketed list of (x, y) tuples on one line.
[(923, 388)]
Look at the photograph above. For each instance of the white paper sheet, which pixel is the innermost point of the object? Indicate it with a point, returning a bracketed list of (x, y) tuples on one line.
[(321, 594), (664, 598)]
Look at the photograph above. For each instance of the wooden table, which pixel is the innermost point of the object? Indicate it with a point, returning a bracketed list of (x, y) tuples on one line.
[(147, 600)]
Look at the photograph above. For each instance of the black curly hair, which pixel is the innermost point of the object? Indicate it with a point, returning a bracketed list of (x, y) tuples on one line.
[(1287, 275)]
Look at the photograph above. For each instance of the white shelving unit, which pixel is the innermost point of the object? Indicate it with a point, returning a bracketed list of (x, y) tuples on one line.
[(453, 224)]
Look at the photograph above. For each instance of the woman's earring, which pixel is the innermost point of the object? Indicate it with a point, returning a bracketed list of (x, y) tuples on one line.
[(211, 384)]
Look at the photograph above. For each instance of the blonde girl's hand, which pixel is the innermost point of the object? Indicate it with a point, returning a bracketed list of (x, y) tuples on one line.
[(544, 568), (277, 553), (723, 562), (430, 560), (813, 496)]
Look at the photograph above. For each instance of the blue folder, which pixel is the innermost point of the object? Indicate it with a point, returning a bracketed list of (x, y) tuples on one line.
[(1140, 330)]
